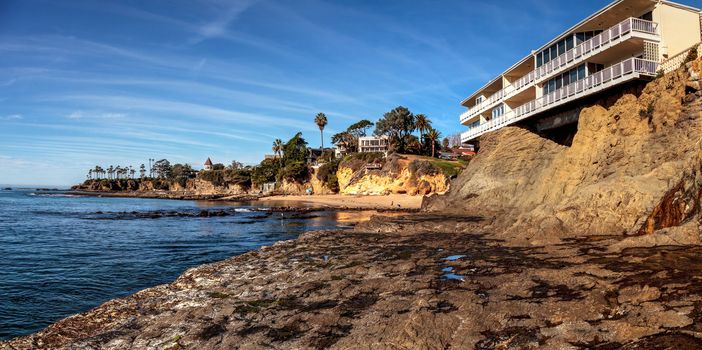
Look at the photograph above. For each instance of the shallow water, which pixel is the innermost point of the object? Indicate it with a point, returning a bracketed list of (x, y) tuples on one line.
[(63, 254)]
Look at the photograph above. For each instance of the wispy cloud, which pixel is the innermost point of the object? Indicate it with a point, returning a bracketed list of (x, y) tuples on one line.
[(12, 117), (219, 26), (95, 115)]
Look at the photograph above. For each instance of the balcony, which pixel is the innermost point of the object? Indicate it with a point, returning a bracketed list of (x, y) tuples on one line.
[(631, 27), (626, 70), (625, 30)]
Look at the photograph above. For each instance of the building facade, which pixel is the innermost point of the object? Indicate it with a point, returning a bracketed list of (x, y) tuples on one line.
[(208, 165), (373, 144), (624, 42)]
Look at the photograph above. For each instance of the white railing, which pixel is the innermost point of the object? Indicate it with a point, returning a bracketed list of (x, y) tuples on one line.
[(594, 45), (676, 61), (596, 82)]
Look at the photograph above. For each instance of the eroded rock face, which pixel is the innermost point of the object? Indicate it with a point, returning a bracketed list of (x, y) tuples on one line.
[(632, 168), (399, 175)]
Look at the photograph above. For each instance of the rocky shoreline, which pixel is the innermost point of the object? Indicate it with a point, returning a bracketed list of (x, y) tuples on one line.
[(166, 195), (422, 281)]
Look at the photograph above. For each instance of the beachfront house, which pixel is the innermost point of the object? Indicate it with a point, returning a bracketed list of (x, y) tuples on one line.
[(617, 48), (370, 144)]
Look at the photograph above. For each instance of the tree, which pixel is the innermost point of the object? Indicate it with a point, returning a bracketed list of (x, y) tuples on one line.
[(396, 124), (346, 139), (433, 135), (142, 171), (422, 123), (278, 149), (295, 150), (218, 166), (110, 172), (182, 172), (90, 174), (236, 165), (359, 129), (321, 121), (445, 142), (162, 168)]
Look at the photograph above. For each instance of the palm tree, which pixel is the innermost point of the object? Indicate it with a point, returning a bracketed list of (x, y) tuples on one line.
[(90, 174), (433, 135), (278, 149), (422, 123), (142, 171), (110, 172), (321, 121)]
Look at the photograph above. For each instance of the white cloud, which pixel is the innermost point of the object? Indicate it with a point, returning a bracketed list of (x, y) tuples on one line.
[(12, 117), (98, 116)]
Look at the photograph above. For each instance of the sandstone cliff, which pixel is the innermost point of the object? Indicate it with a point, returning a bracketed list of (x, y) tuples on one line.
[(632, 168), (400, 174), (194, 187)]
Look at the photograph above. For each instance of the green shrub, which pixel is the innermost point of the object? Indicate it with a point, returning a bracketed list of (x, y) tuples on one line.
[(225, 177), (691, 55), (294, 171), (327, 174), (423, 167), (265, 172)]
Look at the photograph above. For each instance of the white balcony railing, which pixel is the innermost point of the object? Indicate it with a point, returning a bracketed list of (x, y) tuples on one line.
[(596, 44), (626, 70)]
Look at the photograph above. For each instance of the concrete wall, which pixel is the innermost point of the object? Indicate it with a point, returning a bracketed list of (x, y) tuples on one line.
[(679, 28)]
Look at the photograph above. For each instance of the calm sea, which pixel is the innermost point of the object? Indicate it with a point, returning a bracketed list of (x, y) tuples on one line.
[(61, 255)]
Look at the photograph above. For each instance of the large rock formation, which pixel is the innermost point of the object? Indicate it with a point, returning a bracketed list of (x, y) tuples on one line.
[(400, 174), (632, 168)]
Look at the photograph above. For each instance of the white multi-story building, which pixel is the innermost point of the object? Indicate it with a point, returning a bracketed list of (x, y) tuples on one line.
[(373, 144), (625, 42)]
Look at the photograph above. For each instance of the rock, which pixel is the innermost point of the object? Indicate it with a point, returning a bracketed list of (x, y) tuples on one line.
[(636, 295), (634, 167), (400, 174)]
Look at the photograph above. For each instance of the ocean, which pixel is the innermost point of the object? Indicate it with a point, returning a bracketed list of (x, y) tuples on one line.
[(63, 254)]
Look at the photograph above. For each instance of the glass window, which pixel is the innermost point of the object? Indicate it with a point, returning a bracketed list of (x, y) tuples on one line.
[(573, 75), (561, 47), (580, 37), (569, 43), (566, 79), (547, 56), (539, 60), (554, 52), (581, 71)]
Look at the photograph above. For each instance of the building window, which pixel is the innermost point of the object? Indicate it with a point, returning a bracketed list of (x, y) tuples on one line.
[(478, 100), (499, 110)]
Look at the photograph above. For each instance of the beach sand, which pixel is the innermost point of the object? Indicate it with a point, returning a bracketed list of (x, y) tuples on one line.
[(393, 201)]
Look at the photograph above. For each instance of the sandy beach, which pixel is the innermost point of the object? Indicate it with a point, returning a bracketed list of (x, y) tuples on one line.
[(393, 201)]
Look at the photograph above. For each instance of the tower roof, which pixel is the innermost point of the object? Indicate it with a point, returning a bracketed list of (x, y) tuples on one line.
[(208, 161)]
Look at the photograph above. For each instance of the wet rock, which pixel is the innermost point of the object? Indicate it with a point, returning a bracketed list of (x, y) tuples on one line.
[(636, 294)]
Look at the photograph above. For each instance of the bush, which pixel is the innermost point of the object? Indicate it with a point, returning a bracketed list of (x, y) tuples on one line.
[(691, 55), (295, 171), (265, 172), (423, 167), (327, 174), (225, 177)]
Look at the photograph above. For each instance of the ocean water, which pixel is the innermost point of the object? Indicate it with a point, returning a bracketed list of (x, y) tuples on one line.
[(62, 254)]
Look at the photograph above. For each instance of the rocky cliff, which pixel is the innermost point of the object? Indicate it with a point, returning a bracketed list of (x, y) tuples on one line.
[(400, 174), (193, 187), (633, 168)]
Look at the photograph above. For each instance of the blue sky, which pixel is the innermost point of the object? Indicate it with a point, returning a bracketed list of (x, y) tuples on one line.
[(117, 82)]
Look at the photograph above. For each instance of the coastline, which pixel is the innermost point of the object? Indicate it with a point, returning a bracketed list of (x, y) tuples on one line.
[(393, 202), (416, 281)]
